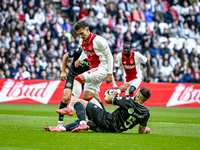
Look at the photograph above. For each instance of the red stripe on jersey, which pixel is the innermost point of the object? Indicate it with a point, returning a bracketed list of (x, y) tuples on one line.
[(129, 66), (88, 48)]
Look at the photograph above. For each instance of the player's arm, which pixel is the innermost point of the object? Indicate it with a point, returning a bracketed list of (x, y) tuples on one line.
[(144, 60), (117, 63), (122, 88), (114, 85), (104, 48), (143, 125), (81, 58), (63, 74), (148, 71)]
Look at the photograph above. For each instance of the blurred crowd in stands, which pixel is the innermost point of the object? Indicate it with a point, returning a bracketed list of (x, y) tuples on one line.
[(34, 36)]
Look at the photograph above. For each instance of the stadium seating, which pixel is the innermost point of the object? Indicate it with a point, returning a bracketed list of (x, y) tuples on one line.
[(166, 4), (163, 39), (174, 13), (191, 43), (180, 42), (129, 15), (172, 41), (162, 26), (198, 49), (65, 4)]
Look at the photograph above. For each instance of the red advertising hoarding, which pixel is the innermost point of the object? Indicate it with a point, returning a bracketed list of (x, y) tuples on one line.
[(51, 91)]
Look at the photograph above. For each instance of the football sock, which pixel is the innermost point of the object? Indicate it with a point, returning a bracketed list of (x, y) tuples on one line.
[(71, 126), (63, 128), (102, 105), (76, 92), (80, 112), (62, 105)]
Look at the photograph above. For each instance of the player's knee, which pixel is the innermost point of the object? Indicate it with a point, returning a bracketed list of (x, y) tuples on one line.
[(65, 99), (77, 100)]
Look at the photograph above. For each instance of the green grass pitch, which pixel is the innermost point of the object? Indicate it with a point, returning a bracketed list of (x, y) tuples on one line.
[(22, 128)]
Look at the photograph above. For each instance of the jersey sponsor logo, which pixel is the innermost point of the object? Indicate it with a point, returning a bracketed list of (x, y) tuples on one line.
[(40, 92), (184, 94), (84, 63), (89, 53), (129, 66)]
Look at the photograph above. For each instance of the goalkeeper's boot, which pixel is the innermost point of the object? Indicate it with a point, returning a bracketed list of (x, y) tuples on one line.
[(81, 127), (65, 111), (57, 129)]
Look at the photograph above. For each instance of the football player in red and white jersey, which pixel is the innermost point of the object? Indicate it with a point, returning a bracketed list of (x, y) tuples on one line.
[(98, 54), (130, 60)]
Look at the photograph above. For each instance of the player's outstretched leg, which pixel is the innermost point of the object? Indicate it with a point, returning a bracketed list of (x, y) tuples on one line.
[(56, 129), (81, 114), (61, 116), (81, 127), (76, 92)]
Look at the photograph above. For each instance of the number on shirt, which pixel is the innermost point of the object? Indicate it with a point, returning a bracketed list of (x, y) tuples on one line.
[(129, 122)]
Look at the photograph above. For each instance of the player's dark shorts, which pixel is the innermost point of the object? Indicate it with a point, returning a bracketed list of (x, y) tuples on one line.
[(70, 81), (100, 117)]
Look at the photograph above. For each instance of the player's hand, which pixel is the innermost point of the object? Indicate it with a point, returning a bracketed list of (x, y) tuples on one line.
[(114, 86), (109, 78), (63, 76), (148, 79), (124, 87), (77, 63), (147, 130)]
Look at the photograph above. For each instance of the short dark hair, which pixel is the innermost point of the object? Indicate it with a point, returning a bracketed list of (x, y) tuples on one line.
[(145, 93), (127, 43), (81, 24)]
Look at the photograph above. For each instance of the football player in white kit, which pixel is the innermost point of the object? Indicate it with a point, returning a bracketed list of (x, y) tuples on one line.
[(130, 60), (98, 54)]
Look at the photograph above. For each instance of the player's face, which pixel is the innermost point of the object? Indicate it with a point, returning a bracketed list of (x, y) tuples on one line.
[(83, 33), (126, 49)]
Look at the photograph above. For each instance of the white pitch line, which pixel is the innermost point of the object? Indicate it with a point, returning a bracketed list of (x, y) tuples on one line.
[(170, 123), (190, 124), (4, 115)]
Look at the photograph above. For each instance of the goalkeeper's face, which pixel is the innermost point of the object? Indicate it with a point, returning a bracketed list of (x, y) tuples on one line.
[(135, 96)]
